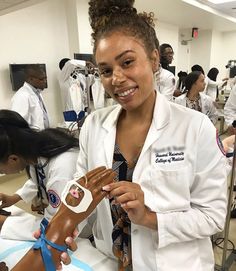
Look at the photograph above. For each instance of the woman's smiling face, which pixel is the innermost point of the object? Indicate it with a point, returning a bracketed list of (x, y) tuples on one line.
[(126, 69)]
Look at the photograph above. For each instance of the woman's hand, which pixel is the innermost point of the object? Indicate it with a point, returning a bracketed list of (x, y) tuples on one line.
[(7, 200), (70, 242), (131, 198), (231, 130)]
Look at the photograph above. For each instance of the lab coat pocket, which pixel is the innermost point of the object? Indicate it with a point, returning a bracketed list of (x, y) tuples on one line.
[(168, 190)]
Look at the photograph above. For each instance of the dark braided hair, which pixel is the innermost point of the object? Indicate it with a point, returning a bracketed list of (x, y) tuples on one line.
[(107, 16), (16, 137)]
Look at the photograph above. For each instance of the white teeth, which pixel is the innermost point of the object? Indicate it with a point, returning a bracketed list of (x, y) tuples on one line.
[(125, 93)]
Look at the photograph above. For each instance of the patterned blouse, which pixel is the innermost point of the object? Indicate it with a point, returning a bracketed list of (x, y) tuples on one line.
[(121, 234), (196, 104)]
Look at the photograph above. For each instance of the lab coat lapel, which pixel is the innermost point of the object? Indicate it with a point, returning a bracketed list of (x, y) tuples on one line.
[(109, 140), (161, 118)]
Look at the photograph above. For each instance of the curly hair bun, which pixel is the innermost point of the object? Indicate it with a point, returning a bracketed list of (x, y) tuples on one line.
[(101, 10)]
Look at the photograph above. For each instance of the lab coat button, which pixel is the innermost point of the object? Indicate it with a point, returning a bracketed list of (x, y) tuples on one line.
[(135, 231)]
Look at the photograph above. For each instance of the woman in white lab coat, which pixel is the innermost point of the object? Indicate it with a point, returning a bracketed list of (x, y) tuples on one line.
[(195, 99), (170, 193), (212, 85), (50, 158)]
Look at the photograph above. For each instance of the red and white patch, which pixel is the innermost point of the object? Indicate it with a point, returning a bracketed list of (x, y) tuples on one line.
[(53, 198)]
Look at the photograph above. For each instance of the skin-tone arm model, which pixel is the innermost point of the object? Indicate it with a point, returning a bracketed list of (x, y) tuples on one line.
[(65, 221)]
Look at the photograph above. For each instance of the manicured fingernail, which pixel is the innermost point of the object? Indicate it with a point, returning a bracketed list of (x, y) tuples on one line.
[(68, 240), (106, 188)]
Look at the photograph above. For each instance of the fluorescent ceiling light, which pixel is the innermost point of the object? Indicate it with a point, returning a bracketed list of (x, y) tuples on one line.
[(219, 1), (210, 9)]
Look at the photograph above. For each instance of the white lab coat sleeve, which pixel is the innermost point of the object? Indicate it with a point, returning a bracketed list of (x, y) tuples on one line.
[(212, 114), (230, 107), (169, 87), (74, 98), (60, 170), (98, 93), (20, 103), (82, 162), (28, 191), (82, 165), (208, 195)]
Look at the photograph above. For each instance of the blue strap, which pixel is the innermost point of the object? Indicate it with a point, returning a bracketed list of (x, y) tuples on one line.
[(42, 243)]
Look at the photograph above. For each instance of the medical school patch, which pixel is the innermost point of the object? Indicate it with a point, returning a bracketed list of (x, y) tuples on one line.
[(219, 143), (53, 198)]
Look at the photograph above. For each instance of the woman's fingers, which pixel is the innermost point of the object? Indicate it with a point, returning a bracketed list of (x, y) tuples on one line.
[(65, 258), (36, 234), (71, 243)]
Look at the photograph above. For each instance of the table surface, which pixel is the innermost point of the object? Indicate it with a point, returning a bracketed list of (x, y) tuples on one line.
[(85, 258)]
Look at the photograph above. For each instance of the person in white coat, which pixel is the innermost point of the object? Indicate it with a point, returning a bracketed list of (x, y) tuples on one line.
[(70, 92), (230, 111), (212, 85), (28, 100), (159, 214), (165, 83), (195, 99), (50, 159)]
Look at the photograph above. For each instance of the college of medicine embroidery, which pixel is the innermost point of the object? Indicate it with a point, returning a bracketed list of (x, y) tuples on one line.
[(169, 157)]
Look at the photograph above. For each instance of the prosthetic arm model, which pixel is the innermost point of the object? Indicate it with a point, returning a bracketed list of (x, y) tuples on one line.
[(79, 199)]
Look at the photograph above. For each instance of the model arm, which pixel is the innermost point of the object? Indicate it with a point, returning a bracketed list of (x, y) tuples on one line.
[(65, 221)]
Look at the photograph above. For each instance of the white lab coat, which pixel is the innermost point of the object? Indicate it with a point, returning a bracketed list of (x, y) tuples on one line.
[(165, 83), (182, 173), (230, 107), (69, 97), (208, 107), (26, 102), (211, 87), (58, 171)]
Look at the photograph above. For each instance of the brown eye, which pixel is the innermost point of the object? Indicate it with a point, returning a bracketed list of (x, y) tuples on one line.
[(127, 62), (106, 72)]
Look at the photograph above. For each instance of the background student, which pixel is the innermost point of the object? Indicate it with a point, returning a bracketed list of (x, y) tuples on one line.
[(50, 159)]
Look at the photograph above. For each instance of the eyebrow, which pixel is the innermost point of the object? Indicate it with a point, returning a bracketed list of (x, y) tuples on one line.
[(117, 57)]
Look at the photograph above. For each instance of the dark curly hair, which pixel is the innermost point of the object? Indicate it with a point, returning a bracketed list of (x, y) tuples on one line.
[(107, 16)]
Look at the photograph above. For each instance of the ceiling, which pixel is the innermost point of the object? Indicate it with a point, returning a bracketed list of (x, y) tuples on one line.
[(7, 6), (192, 13), (183, 13), (229, 8)]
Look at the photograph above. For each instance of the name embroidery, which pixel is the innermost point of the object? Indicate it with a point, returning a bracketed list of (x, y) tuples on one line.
[(169, 157)]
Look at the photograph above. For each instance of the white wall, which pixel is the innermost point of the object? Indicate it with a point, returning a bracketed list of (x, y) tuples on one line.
[(200, 49), (228, 51), (32, 35), (184, 50), (168, 33), (53, 29), (85, 44)]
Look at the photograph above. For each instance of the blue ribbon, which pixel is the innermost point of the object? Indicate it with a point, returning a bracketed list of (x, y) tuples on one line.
[(42, 243)]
